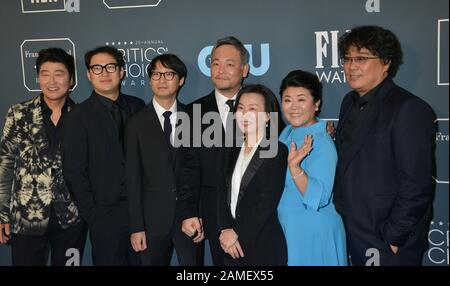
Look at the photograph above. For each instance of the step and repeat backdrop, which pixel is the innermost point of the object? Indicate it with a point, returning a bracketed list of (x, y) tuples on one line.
[(280, 35)]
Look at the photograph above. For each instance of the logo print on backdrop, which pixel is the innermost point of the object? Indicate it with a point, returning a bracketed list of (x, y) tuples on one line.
[(438, 239), (204, 60), (138, 55), (122, 4), (442, 139), (373, 6), (442, 52), (328, 68), (39, 6), (29, 50)]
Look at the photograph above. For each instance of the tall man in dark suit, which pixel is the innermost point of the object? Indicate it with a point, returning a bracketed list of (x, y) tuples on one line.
[(94, 160), (383, 186), (198, 192), (152, 169)]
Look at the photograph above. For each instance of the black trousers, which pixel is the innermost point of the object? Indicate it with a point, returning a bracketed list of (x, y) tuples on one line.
[(208, 206), (62, 244), (160, 248), (110, 237), (367, 250)]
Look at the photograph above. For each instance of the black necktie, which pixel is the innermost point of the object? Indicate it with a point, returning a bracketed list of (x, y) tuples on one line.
[(118, 120), (230, 123), (167, 125), (230, 103)]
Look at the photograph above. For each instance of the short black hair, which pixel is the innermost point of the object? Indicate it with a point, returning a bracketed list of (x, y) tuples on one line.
[(307, 80), (233, 41), (379, 41), (56, 55), (169, 61), (270, 102), (110, 50)]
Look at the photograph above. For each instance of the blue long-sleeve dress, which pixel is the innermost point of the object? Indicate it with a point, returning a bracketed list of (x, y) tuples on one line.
[(313, 229)]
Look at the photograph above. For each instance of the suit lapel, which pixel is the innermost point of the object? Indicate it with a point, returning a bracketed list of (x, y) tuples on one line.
[(180, 108), (344, 119), (232, 159), (211, 103), (211, 106), (253, 167), (39, 138)]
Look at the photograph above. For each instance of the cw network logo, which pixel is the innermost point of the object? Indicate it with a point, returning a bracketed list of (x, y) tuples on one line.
[(204, 60), (439, 241), (138, 55), (328, 68), (124, 4), (40, 6), (29, 50)]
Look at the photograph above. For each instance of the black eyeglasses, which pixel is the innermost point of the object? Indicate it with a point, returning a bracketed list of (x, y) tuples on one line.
[(167, 75), (357, 60), (98, 69)]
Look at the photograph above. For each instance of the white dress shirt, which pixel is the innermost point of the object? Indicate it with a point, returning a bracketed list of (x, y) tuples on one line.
[(223, 106), (173, 117), (239, 170)]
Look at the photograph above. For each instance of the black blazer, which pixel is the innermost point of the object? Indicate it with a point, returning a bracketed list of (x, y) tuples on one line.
[(151, 173), (199, 171), (256, 223), (93, 159), (384, 186)]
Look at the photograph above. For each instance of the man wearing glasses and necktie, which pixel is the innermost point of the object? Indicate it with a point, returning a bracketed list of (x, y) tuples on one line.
[(153, 169)]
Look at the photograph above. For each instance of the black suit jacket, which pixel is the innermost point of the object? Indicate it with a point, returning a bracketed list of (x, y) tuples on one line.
[(384, 186), (256, 222), (199, 168), (152, 170), (93, 159)]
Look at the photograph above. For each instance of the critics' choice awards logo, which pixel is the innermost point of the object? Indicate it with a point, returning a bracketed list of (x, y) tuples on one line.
[(442, 52), (39, 6), (438, 239), (204, 60), (328, 67), (29, 50), (138, 55), (123, 4)]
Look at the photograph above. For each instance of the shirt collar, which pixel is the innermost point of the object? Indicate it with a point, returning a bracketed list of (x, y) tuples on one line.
[(46, 110), (108, 102), (160, 110), (368, 97), (222, 99)]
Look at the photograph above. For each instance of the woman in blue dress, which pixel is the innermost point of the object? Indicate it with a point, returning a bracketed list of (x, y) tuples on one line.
[(313, 229)]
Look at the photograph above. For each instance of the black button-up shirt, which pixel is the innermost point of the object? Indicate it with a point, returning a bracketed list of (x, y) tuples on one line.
[(53, 131), (359, 110), (125, 114)]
